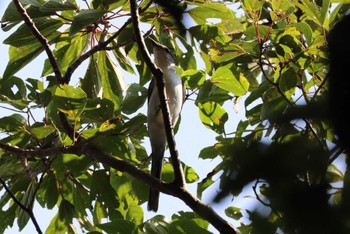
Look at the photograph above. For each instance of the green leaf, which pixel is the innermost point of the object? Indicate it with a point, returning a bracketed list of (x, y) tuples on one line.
[(57, 226), (97, 110), (112, 79), (23, 216), (213, 116), (288, 82), (306, 30), (188, 222), (21, 56), (233, 212), (68, 52), (118, 226), (23, 36), (58, 5), (70, 101), (203, 185), (12, 123), (121, 184), (205, 11), (85, 18), (334, 174), (193, 78), (208, 153), (135, 98), (206, 33), (230, 80), (42, 131), (190, 174), (11, 14), (91, 83), (273, 110), (156, 225), (51, 190), (66, 211)]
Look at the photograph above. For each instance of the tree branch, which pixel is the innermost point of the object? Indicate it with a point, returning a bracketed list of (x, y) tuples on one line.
[(31, 153), (202, 209), (23, 207), (44, 42), (158, 74)]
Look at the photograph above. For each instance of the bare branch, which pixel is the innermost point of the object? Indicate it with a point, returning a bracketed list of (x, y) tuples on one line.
[(44, 42)]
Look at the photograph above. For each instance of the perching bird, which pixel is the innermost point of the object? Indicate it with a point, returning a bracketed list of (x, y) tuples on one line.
[(175, 96)]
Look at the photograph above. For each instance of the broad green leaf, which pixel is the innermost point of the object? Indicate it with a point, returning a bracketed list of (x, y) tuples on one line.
[(14, 92), (21, 56), (11, 14), (121, 184), (70, 101), (97, 110), (50, 190), (208, 153), (112, 79), (273, 110), (190, 174), (334, 174), (66, 211), (123, 59), (288, 82), (56, 226), (67, 52), (10, 167), (213, 116), (233, 212), (42, 131), (281, 10), (12, 123), (23, 216), (206, 33), (118, 226), (188, 222), (193, 78), (135, 98), (135, 212), (202, 12), (230, 80), (156, 225), (91, 83), (23, 36), (58, 5), (85, 18), (306, 30)]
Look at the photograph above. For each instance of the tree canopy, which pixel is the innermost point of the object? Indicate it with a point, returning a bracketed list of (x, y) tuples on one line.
[(86, 155)]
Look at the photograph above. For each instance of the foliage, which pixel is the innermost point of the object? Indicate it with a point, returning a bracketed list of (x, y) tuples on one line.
[(273, 55)]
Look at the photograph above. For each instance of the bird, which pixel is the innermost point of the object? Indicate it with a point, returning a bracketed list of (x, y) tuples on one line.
[(175, 96)]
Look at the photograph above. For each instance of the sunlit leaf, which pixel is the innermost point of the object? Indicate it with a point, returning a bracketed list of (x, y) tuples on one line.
[(230, 80), (213, 116), (70, 100)]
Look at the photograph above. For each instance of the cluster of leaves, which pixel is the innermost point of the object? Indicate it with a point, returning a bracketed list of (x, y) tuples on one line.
[(274, 54)]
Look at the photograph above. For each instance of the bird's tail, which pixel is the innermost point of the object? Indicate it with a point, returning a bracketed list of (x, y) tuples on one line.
[(156, 171)]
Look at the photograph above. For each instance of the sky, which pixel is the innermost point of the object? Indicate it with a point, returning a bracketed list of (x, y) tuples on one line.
[(190, 139)]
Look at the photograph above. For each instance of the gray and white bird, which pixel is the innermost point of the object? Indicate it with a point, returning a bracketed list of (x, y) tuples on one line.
[(175, 96)]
